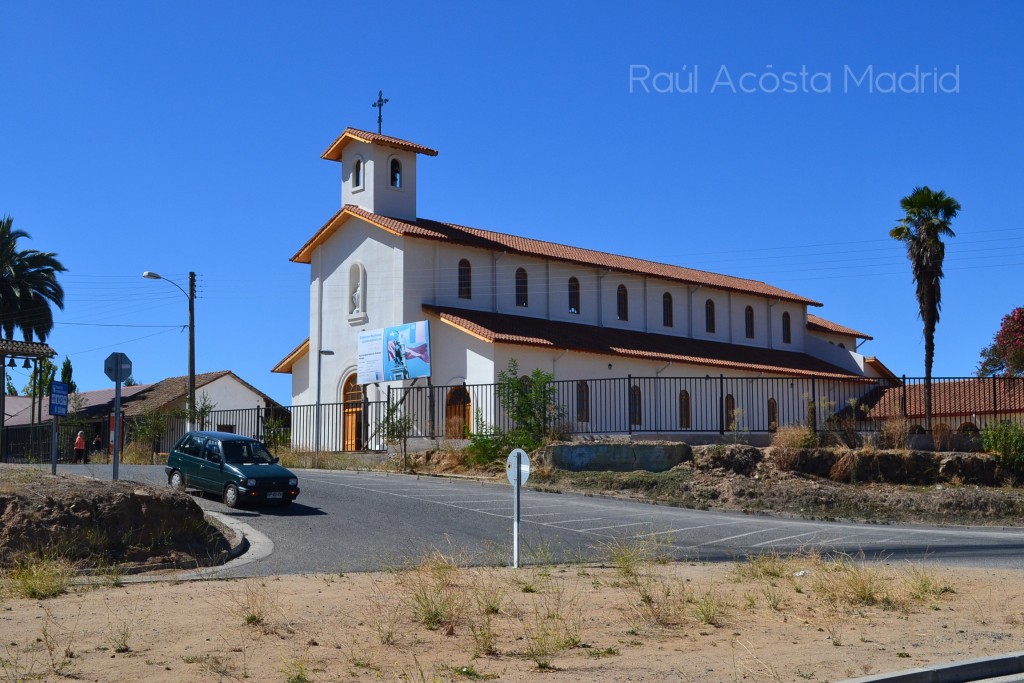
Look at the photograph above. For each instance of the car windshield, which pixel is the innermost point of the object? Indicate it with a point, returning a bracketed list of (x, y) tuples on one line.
[(246, 452)]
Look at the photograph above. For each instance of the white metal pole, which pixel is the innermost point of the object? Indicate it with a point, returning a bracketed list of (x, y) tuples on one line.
[(515, 511)]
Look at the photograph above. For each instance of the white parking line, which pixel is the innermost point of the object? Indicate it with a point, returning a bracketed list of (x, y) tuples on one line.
[(687, 528), (749, 533), (784, 538), (614, 526)]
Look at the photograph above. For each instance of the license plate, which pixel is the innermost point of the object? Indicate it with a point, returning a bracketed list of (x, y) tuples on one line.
[(275, 494)]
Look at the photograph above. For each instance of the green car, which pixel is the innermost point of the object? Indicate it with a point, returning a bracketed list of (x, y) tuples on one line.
[(237, 468)]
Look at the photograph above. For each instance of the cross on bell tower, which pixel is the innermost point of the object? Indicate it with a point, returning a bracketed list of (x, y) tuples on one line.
[(379, 106)]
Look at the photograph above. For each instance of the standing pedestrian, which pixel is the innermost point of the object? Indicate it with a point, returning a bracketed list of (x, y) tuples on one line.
[(97, 445), (80, 447)]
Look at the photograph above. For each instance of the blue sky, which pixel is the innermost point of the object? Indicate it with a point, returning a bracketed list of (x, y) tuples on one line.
[(186, 136)]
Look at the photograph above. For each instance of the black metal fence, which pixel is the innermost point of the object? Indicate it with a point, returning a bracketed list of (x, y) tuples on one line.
[(627, 405), (719, 404)]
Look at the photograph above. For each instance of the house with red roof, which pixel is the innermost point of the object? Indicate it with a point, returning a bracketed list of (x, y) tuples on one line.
[(581, 314)]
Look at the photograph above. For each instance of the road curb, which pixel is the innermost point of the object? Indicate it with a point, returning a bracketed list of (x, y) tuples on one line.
[(964, 671)]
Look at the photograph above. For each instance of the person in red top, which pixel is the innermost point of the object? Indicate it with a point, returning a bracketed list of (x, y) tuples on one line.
[(80, 448)]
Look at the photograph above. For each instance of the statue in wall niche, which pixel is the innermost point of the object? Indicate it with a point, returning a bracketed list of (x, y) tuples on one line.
[(356, 299)]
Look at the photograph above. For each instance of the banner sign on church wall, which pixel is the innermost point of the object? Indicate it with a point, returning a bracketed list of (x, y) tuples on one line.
[(394, 353)]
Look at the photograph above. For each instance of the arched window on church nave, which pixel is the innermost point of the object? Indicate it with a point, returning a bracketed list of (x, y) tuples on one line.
[(465, 279), (709, 316), (787, 329), (666, 309), (574, 295), (622, 303), (522, 288), (582, 402), (748, 321)]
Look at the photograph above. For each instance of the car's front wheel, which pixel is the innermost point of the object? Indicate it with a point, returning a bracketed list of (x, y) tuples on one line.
[(231, 495), (177, 480)]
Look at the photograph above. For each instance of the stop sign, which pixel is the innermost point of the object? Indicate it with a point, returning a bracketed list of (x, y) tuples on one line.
[(118, 367)]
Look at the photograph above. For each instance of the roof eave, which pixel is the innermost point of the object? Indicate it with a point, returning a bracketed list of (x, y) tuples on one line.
[(288, 362)]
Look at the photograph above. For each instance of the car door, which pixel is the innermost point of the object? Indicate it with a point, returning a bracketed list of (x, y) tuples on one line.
[(188, 456), (213, 466)]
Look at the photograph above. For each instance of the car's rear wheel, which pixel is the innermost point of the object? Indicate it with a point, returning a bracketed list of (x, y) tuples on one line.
[(177, 480), (231, 495)]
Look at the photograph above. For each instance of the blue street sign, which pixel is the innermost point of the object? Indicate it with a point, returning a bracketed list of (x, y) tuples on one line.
[(58, 398)]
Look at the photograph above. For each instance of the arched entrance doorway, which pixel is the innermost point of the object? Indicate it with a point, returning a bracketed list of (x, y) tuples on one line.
[(352, 408), (456, 413)]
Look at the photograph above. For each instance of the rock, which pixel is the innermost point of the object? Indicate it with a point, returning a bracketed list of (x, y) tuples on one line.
[(81, 518), (969, 468), (738, 458)]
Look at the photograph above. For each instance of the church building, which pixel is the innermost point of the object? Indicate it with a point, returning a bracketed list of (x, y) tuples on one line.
[(582, 315)]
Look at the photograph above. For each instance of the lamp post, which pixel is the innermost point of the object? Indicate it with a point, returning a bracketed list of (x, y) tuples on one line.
[(319, 364), (191, 295)]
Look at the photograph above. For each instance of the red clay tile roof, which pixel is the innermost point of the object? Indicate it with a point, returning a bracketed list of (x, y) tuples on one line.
[(508, 329), (333, 153), (497, 241), (11, 347), (819, 324), (965, 398)]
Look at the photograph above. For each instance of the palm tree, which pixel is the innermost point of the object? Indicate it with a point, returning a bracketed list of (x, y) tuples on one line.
[(28, 286), (928, 215)]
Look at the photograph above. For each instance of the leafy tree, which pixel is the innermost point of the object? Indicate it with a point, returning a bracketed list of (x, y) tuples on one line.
[(148, 427), (397, 426), (530, 402), (65, 375), (28, 286), (1004, 357), (43, 373), (10, 388), (130, 382), (199, 416), (927, 218)]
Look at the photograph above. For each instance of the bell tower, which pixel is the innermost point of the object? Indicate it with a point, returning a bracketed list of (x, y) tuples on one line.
[(378, 172)]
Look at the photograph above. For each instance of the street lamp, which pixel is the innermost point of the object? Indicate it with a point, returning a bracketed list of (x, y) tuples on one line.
[(191, 295), (319, 364)]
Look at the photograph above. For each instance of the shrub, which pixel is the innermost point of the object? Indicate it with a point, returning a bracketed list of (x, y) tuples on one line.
[(1005, 441), (895, 434), (943, 437), (788, 442)]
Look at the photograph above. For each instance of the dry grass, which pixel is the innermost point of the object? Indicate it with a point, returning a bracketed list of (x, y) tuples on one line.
[(895, 434), (36, 577), (787, 443), (598, 625)]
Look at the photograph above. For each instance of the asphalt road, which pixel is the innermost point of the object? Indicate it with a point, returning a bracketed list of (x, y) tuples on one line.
[(361, 521)]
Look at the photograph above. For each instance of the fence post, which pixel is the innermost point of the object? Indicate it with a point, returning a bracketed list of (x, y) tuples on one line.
[(903, 403), (995, 408), (629, 403), (814, 399), (721, 404), (430, 407)]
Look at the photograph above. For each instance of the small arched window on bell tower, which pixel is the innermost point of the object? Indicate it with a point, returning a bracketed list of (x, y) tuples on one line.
[(357, 174), (395, 173)]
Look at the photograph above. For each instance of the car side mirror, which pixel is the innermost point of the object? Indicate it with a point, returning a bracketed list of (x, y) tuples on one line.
[(274, 460)]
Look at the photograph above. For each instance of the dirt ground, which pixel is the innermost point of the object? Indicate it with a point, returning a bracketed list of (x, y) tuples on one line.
[(633, 620)]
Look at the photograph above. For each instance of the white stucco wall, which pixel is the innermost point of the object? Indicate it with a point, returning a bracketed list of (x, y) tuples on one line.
[(377, 195), (381, 257)]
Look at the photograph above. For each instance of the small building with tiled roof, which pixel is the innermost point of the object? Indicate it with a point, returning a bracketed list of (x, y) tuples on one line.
[(489, 297), (234, 405)]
